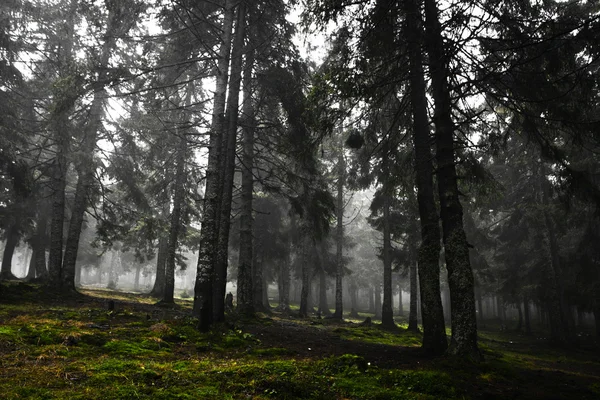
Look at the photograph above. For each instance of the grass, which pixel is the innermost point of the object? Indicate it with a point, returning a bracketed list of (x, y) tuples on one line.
[(77, 349)]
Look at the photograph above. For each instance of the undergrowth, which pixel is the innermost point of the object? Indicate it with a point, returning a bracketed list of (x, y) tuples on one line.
[(78, 349)]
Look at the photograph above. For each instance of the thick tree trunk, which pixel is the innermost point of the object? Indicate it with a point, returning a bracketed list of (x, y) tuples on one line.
[(228, 169), (434, 331), (161, 267), (245, 302), (557, 307), (456, 247), (86, 165), (203, 288), (176, 213), (12, 239), (339, 239)]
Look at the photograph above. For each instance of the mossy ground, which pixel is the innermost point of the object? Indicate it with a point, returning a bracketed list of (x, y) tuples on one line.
[(53, 348)]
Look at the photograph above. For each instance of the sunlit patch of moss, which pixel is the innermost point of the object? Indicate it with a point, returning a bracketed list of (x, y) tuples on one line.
[(375, 334)]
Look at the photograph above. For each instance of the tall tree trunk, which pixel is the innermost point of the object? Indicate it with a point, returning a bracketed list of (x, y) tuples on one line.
[(228, 162), (158, 289), (456, 247), (178, 205), (203, 287), (245, 302), (434, 331), (372, 308), (557, 307), (412, 315), (306, 272), (339, 238), (86, 165), (64, 104), (12, 239), (387, 311)]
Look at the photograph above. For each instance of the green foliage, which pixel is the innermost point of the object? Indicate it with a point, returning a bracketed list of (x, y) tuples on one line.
[(77, 350)]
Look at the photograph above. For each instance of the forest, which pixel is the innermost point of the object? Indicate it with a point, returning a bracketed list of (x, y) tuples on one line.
[(289, 199)]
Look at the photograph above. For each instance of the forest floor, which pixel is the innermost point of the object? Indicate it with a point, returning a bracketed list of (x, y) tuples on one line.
[(75, 348)]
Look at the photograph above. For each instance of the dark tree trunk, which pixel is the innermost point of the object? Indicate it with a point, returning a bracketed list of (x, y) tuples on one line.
[(339, 239), (557, 307), (228, 169), (203, 288), (387, 311), (245, 302), (161, 268), (306, 272), (456, 247), (434, 331), (12, 239), (176, 214), (86, 165), (412, 315)]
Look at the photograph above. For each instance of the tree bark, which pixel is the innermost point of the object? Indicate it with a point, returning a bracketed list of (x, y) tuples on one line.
[(203, 288), (339, 238), (434, 331), (228, 170), (460, 276), (64, 103), (178, 205), (412, 315), (387, 311), (245, 302), (161, 267), (306, 272), (12, 239)]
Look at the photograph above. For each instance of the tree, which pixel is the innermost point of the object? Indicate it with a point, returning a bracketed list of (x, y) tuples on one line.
[(456, 247)]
